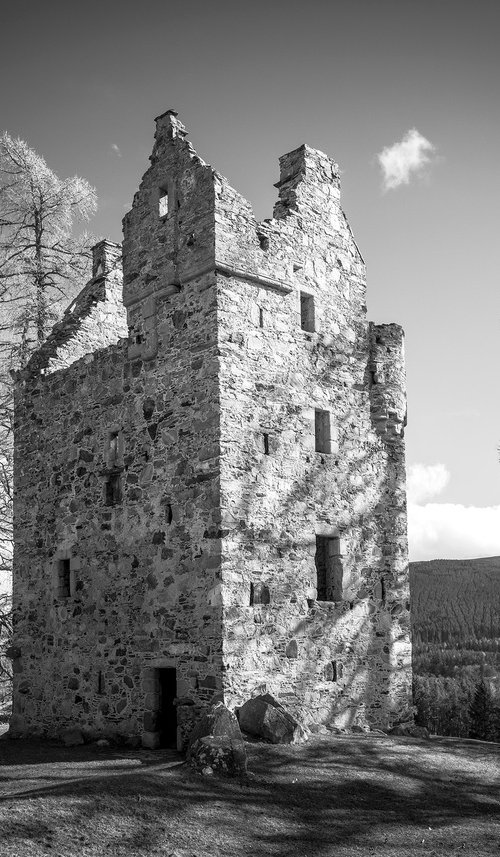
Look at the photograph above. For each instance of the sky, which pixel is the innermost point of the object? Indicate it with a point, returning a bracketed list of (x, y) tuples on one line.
[(404, 94)]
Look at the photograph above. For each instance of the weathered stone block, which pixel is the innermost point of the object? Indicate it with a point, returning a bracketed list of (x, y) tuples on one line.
[(265, 718)]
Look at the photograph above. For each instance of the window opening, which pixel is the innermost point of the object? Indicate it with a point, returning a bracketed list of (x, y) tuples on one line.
[(163, 202), (382, 589), (113, 493), (265, 438), (263, 241), (331, 671), (259, 594), (322, 431), (100, 682), (64, 578), (329, 571), (113, 449), (261, 317), (307, 315)]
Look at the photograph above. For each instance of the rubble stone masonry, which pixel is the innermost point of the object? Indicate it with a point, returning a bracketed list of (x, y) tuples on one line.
[(210, 493)]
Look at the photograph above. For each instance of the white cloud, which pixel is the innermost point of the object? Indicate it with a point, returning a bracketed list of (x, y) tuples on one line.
[(116, 150), (447, 530), (403, 160), (453, 531), (426, 480)]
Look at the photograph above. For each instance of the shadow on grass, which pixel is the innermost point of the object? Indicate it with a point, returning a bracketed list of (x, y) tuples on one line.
[(303, 800)]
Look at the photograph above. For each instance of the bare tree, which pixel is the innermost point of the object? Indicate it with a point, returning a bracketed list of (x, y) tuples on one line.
[(40, 258), (5, 661), (42, 265)]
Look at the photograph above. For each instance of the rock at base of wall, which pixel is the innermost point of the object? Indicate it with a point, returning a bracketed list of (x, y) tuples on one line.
[(409, 730), (265, 718), (218, 721), (17, 727), (72, 737), (150, 740), (216, 742), (221, 754)]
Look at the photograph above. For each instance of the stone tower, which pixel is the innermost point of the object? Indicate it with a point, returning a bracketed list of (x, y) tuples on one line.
[(210, 493)]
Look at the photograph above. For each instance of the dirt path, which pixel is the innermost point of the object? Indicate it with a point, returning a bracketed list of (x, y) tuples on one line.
[(331, 797)]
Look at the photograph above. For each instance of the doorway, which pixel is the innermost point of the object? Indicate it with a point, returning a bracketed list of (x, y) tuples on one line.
[(167, 720)]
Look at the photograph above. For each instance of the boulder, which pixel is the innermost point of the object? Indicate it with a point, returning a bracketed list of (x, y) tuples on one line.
[(222, 755), (264, 717), (217, 721), (216, 742), (318, 729), (409, 730)]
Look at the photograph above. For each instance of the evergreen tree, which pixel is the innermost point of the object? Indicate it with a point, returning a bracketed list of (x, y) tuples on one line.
[(482, 713)]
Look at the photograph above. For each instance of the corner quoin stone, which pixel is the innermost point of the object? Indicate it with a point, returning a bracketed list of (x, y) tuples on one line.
[(209, 471)]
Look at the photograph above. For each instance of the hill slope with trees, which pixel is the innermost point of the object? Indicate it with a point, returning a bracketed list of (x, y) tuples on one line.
[(456, 645)]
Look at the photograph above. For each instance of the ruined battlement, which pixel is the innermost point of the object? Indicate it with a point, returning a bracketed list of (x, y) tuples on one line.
[(95, 319), (210, 487)]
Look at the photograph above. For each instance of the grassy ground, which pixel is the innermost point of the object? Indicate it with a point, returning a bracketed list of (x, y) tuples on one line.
[(360, 796)]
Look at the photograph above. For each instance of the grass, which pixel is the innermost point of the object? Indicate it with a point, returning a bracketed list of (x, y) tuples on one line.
[(334, 796)]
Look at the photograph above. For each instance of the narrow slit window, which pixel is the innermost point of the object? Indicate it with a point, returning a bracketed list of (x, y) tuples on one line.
[(322, 435), (331, 671), (100, 682), (113, 449), (113, 494), (259, 594), (265, 443), (163, 202), (329, 571), (64, 578), (261, 317), (307, 315)]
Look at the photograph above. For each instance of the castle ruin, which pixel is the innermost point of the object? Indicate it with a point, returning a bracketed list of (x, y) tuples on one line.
[(209, 471)]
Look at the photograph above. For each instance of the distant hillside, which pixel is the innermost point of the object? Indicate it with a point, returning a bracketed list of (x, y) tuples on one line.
[(456, 603), (456, 646)]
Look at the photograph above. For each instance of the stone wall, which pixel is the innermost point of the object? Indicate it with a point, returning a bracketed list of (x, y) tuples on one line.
[(144, 564), (170, 500), (95, 319), (344, 662)]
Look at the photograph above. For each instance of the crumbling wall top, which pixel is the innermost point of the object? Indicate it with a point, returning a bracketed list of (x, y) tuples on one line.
[(95, 319), (309, 183)]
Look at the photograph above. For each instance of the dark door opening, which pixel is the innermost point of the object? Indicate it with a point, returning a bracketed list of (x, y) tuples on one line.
[(167, 725)]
